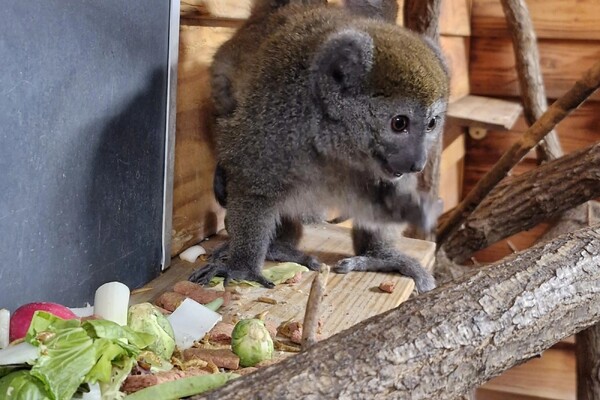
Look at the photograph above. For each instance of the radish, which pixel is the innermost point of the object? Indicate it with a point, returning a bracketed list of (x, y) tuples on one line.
[(21, 318)]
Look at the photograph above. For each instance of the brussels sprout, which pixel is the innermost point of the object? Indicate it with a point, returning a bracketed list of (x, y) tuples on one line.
[(251, 342), (144, 317)]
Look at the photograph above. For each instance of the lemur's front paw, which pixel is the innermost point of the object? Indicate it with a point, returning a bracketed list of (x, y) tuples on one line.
[(356, 263), (203, 275), (424, 282), (431, 209)]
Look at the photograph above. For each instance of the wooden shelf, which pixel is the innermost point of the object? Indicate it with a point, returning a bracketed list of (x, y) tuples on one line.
[(484, 112), (350, 298), (550, 377)]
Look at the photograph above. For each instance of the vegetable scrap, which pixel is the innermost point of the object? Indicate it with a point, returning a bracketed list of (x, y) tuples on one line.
[(177, 347), (277, 274), (251, 342), (387, 286), (267, 300)]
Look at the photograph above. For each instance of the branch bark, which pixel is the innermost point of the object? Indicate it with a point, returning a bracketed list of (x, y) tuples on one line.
[(520, 203), (582, 89), (529, 72), (442, 344), (587, 345), (422, 16), (313, 304)]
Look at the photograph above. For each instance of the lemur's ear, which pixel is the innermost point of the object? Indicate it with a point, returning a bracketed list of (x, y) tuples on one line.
[(343, 62)]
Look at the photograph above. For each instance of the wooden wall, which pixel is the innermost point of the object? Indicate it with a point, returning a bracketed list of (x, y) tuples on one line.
[(569, 41), (205, 25)]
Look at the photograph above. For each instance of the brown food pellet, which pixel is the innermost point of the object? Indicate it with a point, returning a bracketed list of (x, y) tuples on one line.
[(387, 286)]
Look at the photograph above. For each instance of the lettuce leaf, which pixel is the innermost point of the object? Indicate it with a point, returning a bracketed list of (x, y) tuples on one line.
[(110, 390), (65, 361), (21, 385), (45, 322), (101, 328), (106, 352), (277, 274), (73, 353)]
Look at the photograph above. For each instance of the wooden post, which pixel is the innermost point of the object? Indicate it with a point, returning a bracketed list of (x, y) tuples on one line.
[(529, 72), (587, 342)]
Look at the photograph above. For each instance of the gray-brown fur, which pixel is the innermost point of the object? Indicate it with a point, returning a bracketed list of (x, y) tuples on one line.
[(305, 123)]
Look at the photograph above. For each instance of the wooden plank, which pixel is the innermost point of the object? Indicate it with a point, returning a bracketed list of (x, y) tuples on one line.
[(195, 212), (552, 19), (552, 376), (451, 173), (485, 112), (493, 72), (229, 9), (454, 15), (456, 52), (350, 298)]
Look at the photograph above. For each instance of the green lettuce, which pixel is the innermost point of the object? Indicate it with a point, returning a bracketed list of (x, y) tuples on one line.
[(45, 322), (67, 358), (110, 390), (73, 353), (277, 274), (103, 329), (21, 385)]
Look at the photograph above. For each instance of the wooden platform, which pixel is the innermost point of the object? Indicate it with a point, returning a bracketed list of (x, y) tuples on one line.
[(550, 377), (350, 298)]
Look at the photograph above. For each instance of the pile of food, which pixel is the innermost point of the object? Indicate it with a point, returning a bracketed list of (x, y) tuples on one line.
[(175, 348)]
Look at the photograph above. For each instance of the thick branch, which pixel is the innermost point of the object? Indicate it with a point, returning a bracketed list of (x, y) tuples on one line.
[(529, 72), (423, 16), (588, 363), (441, 344), (520, 203), (582, 89)]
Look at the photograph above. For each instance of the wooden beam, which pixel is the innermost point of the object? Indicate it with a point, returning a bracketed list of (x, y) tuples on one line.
[(493, 72), (196, 214), (552, 19), (484, 112)]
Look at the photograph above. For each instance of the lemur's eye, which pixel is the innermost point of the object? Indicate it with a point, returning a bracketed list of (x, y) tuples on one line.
[(432, 123), (399, 123)]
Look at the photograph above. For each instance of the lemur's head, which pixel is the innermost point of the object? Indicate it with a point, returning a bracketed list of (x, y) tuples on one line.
[(388, 89)]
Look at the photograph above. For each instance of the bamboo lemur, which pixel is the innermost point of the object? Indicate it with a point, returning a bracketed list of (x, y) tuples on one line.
[(323, 107)]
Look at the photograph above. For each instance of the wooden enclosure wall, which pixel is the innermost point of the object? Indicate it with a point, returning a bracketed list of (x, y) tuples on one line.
[(205, 25), (569, 42)]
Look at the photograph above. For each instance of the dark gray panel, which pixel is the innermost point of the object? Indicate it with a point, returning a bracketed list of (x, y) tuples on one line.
[(83, 87)]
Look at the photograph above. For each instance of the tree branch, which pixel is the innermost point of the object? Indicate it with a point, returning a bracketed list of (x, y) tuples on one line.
[(582, 89), (423, 16), (529, 72), (442, 344), (520, 203)]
